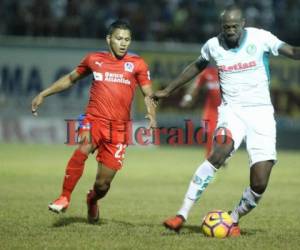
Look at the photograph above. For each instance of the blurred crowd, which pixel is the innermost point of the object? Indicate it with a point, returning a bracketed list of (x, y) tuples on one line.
[(159, 20)]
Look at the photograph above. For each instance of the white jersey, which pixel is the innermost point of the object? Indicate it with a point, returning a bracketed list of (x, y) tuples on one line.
[(244, 71)]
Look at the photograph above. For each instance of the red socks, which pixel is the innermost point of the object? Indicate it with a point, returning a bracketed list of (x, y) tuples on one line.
[(73, 172)]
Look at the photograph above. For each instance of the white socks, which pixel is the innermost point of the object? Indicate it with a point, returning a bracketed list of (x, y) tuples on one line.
[(248, 201), (203, 175)]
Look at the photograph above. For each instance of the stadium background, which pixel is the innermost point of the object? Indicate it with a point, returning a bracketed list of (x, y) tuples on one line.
[(42, 40)]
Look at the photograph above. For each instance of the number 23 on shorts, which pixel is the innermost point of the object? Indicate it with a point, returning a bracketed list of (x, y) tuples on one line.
[(120, 152)]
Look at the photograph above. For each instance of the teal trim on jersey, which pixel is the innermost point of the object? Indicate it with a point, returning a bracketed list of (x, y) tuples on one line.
[(266, 60), (242, 43)]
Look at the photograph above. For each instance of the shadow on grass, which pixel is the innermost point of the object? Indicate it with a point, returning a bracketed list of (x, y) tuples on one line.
[(196, 229), (128, 224), (66, 221), (252, 231), (186, 230)]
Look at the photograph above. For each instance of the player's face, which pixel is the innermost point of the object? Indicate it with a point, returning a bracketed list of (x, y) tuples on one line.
[(232, 25), (119, 42), (232, 30)]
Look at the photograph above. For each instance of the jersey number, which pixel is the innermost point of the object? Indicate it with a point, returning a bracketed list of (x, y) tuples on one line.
[(121, 147)]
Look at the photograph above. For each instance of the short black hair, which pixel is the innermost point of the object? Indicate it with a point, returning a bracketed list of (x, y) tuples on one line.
[(233, 7), (118, 24)]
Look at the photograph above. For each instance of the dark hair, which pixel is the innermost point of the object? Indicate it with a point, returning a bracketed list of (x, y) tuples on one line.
[(118, 24), (234, 7)]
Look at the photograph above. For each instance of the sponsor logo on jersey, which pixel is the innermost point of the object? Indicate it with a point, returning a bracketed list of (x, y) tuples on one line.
[(111, 77), (115, 78), (128, 66), (237, 67), (251, 49), (98, 76), (98, 63)]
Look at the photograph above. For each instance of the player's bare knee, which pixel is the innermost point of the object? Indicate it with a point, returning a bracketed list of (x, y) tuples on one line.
[(259, 187), (223, 137), (217, 159), (101, 185), (219, 155)]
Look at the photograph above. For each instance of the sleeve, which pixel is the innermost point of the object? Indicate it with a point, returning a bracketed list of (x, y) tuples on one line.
[(271, 43), (143, 73), (83, 67), (205, 53)]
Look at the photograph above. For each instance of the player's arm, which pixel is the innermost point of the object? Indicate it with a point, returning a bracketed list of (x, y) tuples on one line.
[(63, 83), (190, 95), (186, 75), (290, 51), (150, 105)]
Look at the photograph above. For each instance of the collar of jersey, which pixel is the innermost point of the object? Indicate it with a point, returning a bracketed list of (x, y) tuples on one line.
[(237, 49), (114, 58)]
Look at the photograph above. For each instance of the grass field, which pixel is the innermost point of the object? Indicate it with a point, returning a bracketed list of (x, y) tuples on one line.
[(149, 189)]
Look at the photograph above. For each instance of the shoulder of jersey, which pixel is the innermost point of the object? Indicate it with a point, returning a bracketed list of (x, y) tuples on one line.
[(133, 55), (213, 41), (255, 31), (97, 54)]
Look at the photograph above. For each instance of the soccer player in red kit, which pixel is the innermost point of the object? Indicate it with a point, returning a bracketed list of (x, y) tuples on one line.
[(116, 74), (208, 79)]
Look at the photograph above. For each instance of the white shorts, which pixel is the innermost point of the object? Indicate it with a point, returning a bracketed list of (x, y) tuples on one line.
[(255, 125)]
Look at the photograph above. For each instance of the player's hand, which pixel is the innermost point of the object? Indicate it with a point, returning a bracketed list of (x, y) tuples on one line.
[(36, 102), (160, 94)]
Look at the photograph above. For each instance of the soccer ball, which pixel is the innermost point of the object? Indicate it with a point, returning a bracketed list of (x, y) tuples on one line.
[(217, 224)]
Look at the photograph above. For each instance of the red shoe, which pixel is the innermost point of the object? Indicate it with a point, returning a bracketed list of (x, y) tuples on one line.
[(174, 223), (60, 205), (93, 209), (235, 230)]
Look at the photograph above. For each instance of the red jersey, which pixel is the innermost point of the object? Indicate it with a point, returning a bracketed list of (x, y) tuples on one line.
[(209, 77), (114, 83)]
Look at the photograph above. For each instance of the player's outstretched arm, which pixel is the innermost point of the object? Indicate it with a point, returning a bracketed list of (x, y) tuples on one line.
[(150, 105), (186, 75), (61, 84), (290, 51), (189, 96)]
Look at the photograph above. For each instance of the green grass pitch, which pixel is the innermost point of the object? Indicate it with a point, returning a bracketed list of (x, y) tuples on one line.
[(150, 188)]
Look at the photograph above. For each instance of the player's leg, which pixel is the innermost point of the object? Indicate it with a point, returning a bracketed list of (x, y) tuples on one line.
[(259, 177), (73, 172), (261, 147), (202, 177), (110, 157), (102, 184), (205, 172), (225, 142)]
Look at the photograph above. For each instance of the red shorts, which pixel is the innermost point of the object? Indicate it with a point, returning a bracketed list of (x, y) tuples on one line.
[(109, 137)]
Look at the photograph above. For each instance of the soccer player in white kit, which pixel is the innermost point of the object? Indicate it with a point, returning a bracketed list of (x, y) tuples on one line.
[(246, 112)]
